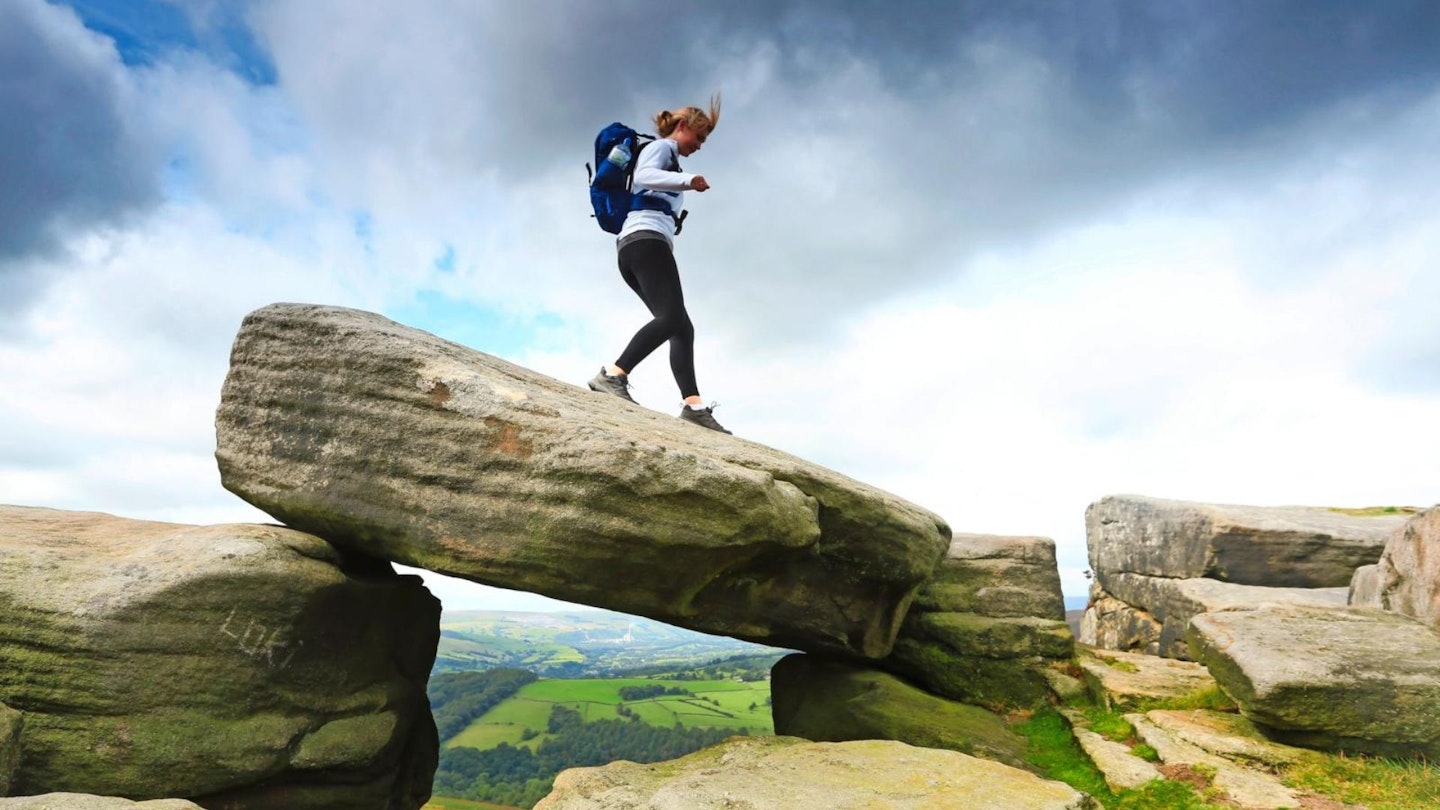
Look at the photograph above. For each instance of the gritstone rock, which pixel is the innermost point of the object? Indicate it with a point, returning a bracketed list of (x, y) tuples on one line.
[(1346, 679), (1281, 547), (832, 701), (798, 775), (392, 441), (243, 666), (987, 623)]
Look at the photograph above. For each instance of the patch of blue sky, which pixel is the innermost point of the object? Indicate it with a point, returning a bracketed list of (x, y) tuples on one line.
[(145, 31), (177, 178), (485, 329), (445, 262)]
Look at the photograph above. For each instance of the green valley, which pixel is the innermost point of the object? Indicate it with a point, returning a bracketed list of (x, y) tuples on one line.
[(518, 697)]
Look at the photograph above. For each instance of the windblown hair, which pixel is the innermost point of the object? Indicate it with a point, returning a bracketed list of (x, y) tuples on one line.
[(694, 118)]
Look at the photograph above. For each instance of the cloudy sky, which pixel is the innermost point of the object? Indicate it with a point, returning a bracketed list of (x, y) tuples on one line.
[(1000, 258)]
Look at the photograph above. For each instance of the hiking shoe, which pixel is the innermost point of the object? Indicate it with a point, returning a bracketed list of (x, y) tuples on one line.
[(705, 417), (612, 384)]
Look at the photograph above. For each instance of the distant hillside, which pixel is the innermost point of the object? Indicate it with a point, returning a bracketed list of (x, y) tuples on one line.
[(576, 644)]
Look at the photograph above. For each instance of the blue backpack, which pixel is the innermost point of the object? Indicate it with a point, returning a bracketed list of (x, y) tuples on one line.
[(617, 149)]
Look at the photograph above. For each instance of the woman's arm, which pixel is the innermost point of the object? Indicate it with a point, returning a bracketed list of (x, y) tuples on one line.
[(652, 170)]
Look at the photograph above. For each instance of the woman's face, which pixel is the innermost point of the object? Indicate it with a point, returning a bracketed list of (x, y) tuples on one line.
[(688, 140)]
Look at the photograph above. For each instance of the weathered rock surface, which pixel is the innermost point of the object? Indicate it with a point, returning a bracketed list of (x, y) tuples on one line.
[(1172, 603), (244, 666), (774, 772), (1366, 588), (1120, 768), (1227, 735), (1122, 680), (1283, 547), (1409, 570), (11, 722), (397, 443), (831, 701), (1111, 624), (1242, 786), (1346, 679), (82, 801), (987, 623)]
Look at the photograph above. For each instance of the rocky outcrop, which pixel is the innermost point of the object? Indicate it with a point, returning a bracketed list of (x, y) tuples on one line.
[(799, 775), (82, 801), (1157, 563), (388, 440), (1407, 578), (1168, 605), (243, 666), (987, 624), (1345, 679), (1277, 547), (832, 701)]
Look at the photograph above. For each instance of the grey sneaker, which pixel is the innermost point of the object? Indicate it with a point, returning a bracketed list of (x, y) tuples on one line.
[(705, 417), (611, 384)]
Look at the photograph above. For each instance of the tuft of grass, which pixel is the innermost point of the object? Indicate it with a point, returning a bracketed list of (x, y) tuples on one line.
[(1108, 724), (1163, 795), (1116, 663), (1375, 782), (1145, 752), (1374, 511), (1212, 698), (1052, 748)]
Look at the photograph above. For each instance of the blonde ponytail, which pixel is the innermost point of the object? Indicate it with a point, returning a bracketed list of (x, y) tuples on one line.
[(694, 118)]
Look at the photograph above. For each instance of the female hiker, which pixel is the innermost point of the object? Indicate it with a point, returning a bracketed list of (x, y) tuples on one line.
[(647, 261)]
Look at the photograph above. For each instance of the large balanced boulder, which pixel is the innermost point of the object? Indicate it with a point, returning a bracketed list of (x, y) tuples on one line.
[(394, 442), (786, 772), (1346, 679), (986, 625), (1274, 546), (1408, 574), (242, 666), (836, 701)]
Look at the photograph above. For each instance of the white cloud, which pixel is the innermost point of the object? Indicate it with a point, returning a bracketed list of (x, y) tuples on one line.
[(967, 292)]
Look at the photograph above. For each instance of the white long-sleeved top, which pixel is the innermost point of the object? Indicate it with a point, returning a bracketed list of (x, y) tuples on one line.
[(654, 178)]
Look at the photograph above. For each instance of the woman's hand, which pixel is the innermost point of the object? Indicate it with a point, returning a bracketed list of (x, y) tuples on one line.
[(698, 183)]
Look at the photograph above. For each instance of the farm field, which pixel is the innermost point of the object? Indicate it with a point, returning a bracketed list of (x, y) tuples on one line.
[(714, 704)]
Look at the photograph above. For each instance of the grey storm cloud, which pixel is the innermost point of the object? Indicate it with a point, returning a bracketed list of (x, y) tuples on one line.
[(940, 129), (69, 159), (1210, 70)]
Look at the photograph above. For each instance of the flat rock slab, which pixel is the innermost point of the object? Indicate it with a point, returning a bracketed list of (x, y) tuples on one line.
[(746, 773), (1243, 786), (1130, 680), (1120, 768), (1227, 735), (390, 440), (1172, 603), (1279, 546), (243, 666), (83, 801), (1346, 679), (1000, 576), (833, 701)]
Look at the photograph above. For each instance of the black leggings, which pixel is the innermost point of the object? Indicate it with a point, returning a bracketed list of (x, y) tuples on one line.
[(648, 266)]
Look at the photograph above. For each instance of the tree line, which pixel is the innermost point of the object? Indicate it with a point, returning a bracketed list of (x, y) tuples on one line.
[(519, 777), (457, 699)]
